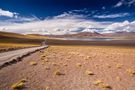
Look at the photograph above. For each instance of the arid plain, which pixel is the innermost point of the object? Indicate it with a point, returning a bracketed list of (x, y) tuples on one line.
[(68, 64), (73, 68)]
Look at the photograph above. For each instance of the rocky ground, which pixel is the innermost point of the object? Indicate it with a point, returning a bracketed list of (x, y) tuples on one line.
[(73, 68)]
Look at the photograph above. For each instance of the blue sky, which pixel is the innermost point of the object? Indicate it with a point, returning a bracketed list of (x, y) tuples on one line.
[(67, 16)]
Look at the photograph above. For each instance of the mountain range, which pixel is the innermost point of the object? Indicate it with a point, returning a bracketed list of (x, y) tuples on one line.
[(77, 35)]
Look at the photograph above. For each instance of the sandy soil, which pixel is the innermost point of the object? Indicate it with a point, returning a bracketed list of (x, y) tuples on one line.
[(74, 68)]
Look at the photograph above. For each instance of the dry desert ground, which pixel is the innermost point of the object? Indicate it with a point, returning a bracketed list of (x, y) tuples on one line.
[(73, 68)]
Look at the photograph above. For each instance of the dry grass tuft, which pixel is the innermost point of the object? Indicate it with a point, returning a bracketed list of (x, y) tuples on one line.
[(47, 88), (33, 63), (47, 68), (119, 66), (65, 65), (78, 64), (97, 82), (19, 85), (87, 58), (118, 78), (131, 72), (102, 84), (109, 66), (89, 72), (43, 56), (96, 65), (58, 73)]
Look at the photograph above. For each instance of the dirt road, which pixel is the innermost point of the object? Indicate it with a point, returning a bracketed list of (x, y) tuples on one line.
[(74, 68), (10, 55)]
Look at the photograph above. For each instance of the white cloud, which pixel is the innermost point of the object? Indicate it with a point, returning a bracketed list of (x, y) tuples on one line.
[(21, 19), (111, 15), (125, 26), (69, 15), (132, 2), (62, 24), (7, 13), (124, 2), (66, 23), (84, 10), (120, 3)]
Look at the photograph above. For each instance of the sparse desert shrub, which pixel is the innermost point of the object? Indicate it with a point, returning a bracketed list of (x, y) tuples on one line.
[(33, 63), (102, 84), (47, 88), (119, 66), (47, 68), (97, 82), (19, 85), (109, 66), (58, 73), (78, 64), (87, 58), (65, 64), (118, 78), (88, 72), (131, 72), (43, 56)]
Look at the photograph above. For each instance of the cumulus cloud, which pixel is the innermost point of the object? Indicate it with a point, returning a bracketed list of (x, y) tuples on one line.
[(125, 26), (111, 15), (66, 23), (55, 26), (61, 24), (7, 13)]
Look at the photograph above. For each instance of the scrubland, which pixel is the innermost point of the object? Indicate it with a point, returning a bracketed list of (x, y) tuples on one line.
[(73, 68)]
